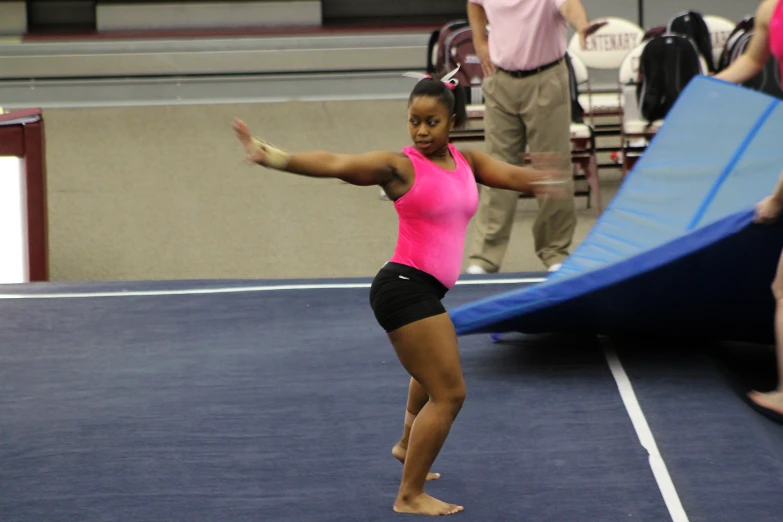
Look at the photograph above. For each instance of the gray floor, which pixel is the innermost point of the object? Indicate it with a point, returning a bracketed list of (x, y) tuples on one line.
[(162, 193)]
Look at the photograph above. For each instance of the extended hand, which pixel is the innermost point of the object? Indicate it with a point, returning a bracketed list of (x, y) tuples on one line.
[(767, 210), (256, 150), (551, 174), (254, 153)]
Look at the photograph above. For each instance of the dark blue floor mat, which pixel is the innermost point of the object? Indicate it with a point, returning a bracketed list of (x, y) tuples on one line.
[(725, 459), (284, 406)]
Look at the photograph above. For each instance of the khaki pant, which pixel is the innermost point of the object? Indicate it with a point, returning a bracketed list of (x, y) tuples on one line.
[(534, 112)]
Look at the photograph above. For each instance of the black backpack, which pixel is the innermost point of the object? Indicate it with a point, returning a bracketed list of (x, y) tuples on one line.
[(668, 62), (692, 25)]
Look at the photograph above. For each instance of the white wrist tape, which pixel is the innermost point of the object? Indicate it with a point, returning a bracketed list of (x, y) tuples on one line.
[(275, 158), (549, 182)]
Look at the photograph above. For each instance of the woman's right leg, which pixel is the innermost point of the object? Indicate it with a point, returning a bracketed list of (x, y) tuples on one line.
[(428, 350), (774, 400)]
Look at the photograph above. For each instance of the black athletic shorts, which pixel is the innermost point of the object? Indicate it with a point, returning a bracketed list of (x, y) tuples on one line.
[(401, 294)]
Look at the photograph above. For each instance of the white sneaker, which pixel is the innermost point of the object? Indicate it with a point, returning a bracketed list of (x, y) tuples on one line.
[(555, 267), (475, 269)]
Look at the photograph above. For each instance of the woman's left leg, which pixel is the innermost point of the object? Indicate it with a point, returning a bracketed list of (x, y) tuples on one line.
[(429, 351), (417, 398)]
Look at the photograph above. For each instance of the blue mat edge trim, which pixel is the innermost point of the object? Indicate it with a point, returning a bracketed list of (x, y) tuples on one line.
[(463, 316)]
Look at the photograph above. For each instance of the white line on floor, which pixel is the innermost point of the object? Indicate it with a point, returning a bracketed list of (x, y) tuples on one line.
[(238, 289), (636, 414)]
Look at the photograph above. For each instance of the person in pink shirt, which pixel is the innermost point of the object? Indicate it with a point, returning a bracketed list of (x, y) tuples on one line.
[(527, 103), (767, 41), (434, 189)]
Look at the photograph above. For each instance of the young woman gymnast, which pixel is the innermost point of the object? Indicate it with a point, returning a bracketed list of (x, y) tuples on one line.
[(434, 189)]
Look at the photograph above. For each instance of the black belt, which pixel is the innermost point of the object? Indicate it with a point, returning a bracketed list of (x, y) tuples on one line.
[(531, 72)]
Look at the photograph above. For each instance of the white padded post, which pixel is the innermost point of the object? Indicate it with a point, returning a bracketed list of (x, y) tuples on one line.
[(607, 47), (629, 68)]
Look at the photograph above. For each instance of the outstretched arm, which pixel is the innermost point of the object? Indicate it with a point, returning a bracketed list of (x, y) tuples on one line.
[(756, 55), (372, 168), (494, 173)]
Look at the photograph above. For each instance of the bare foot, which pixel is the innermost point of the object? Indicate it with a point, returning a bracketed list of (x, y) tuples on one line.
[(425, 505), (399, 451), (771, 400)]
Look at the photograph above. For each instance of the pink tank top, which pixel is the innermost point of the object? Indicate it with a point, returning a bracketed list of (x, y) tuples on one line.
[(434, 216), (776, 34)]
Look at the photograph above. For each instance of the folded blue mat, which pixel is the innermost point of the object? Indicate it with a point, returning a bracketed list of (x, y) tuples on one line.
[(676, 250)]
